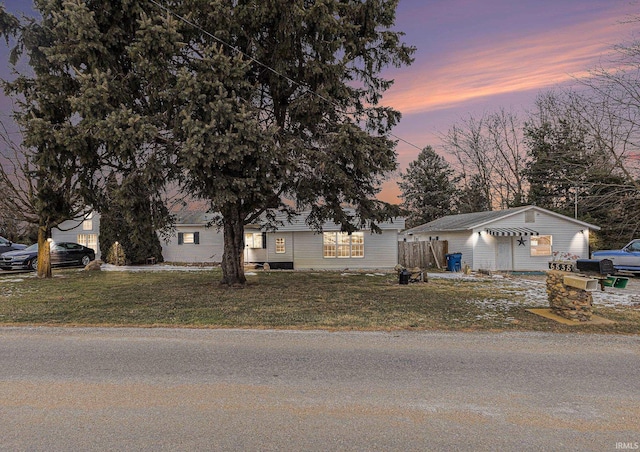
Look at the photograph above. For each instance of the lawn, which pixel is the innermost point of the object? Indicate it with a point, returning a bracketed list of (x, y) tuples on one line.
[(279, 299)]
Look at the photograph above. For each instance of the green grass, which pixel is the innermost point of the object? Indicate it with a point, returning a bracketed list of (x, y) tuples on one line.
[(288, 300)]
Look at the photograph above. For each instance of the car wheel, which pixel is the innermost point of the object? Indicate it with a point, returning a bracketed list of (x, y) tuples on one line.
[(85, 260), (34, 264)]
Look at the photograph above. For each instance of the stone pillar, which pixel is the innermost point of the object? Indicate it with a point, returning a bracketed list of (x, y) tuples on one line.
[(568, 302)]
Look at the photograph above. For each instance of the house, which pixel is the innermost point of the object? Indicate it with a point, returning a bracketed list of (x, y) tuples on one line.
[(84, 230), (293, 245), (518, 239)]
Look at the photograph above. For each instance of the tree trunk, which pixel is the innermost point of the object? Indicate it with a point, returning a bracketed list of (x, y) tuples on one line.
[(233, 256), (44, 253)]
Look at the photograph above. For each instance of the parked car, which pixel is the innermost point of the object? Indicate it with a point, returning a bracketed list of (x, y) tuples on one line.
[(8, 245), (627, 259), (62, 254)]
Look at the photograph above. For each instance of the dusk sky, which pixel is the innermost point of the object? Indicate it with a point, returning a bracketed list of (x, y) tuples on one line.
[(476, 56)]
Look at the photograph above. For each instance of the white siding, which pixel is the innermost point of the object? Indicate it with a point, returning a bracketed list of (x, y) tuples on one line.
[(484, 251), (459, 242), (209, 250), (69, 230), (569, 238), (479, 248), (380, 252)]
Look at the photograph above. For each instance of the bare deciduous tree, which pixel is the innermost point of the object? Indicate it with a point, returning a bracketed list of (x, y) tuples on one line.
[(488, 152), (23, 190)]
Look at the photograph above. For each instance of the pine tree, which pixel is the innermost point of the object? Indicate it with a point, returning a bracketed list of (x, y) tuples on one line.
[(287, 106), (246, 103), (428, 188), (120, 221), (472, 198)]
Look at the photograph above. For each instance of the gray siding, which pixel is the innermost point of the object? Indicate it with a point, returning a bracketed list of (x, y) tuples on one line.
[(380, 252), (289, 244), (302, 246), (209, 250)]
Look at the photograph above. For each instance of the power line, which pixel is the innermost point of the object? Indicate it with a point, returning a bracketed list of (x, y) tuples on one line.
[(264, 65)]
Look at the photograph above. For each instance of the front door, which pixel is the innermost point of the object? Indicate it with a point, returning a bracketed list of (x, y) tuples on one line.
[(504, 253)]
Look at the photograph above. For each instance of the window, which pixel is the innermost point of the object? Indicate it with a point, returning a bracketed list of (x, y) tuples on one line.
[(87, 224), (329, 244), (88, 240), (188, 238), (280, 248), (255, 240), (357, 244), (634, 246), (541, 245), (342, 244)]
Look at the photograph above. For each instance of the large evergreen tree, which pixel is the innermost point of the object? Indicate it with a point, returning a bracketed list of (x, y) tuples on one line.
[(245, 103), (44, 188), (571, 170), (282, 102), (428, 188), (124, 204), (558, 166), (98, 100), (471, 197)]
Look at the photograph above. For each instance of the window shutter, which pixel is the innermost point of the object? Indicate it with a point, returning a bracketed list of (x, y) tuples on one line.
[(264, 240), (196, 238), (180, 238)]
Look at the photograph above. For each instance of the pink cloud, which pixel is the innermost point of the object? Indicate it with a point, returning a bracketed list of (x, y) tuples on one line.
[(508, 65)]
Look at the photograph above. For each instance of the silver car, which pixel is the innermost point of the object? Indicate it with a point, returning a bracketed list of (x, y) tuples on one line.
[(626, 259)]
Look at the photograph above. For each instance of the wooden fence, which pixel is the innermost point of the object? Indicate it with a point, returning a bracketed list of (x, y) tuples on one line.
[(423, 254)]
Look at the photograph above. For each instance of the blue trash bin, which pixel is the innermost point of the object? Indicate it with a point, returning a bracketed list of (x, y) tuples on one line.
[(454, 262)]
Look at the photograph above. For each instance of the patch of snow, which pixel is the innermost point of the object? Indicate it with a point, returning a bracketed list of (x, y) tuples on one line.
[(535, 292), (153, 268)]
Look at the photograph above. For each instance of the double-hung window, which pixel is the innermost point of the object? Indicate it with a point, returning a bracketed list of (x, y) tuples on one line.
[(87, 224), (342, 244), (188, 238)]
